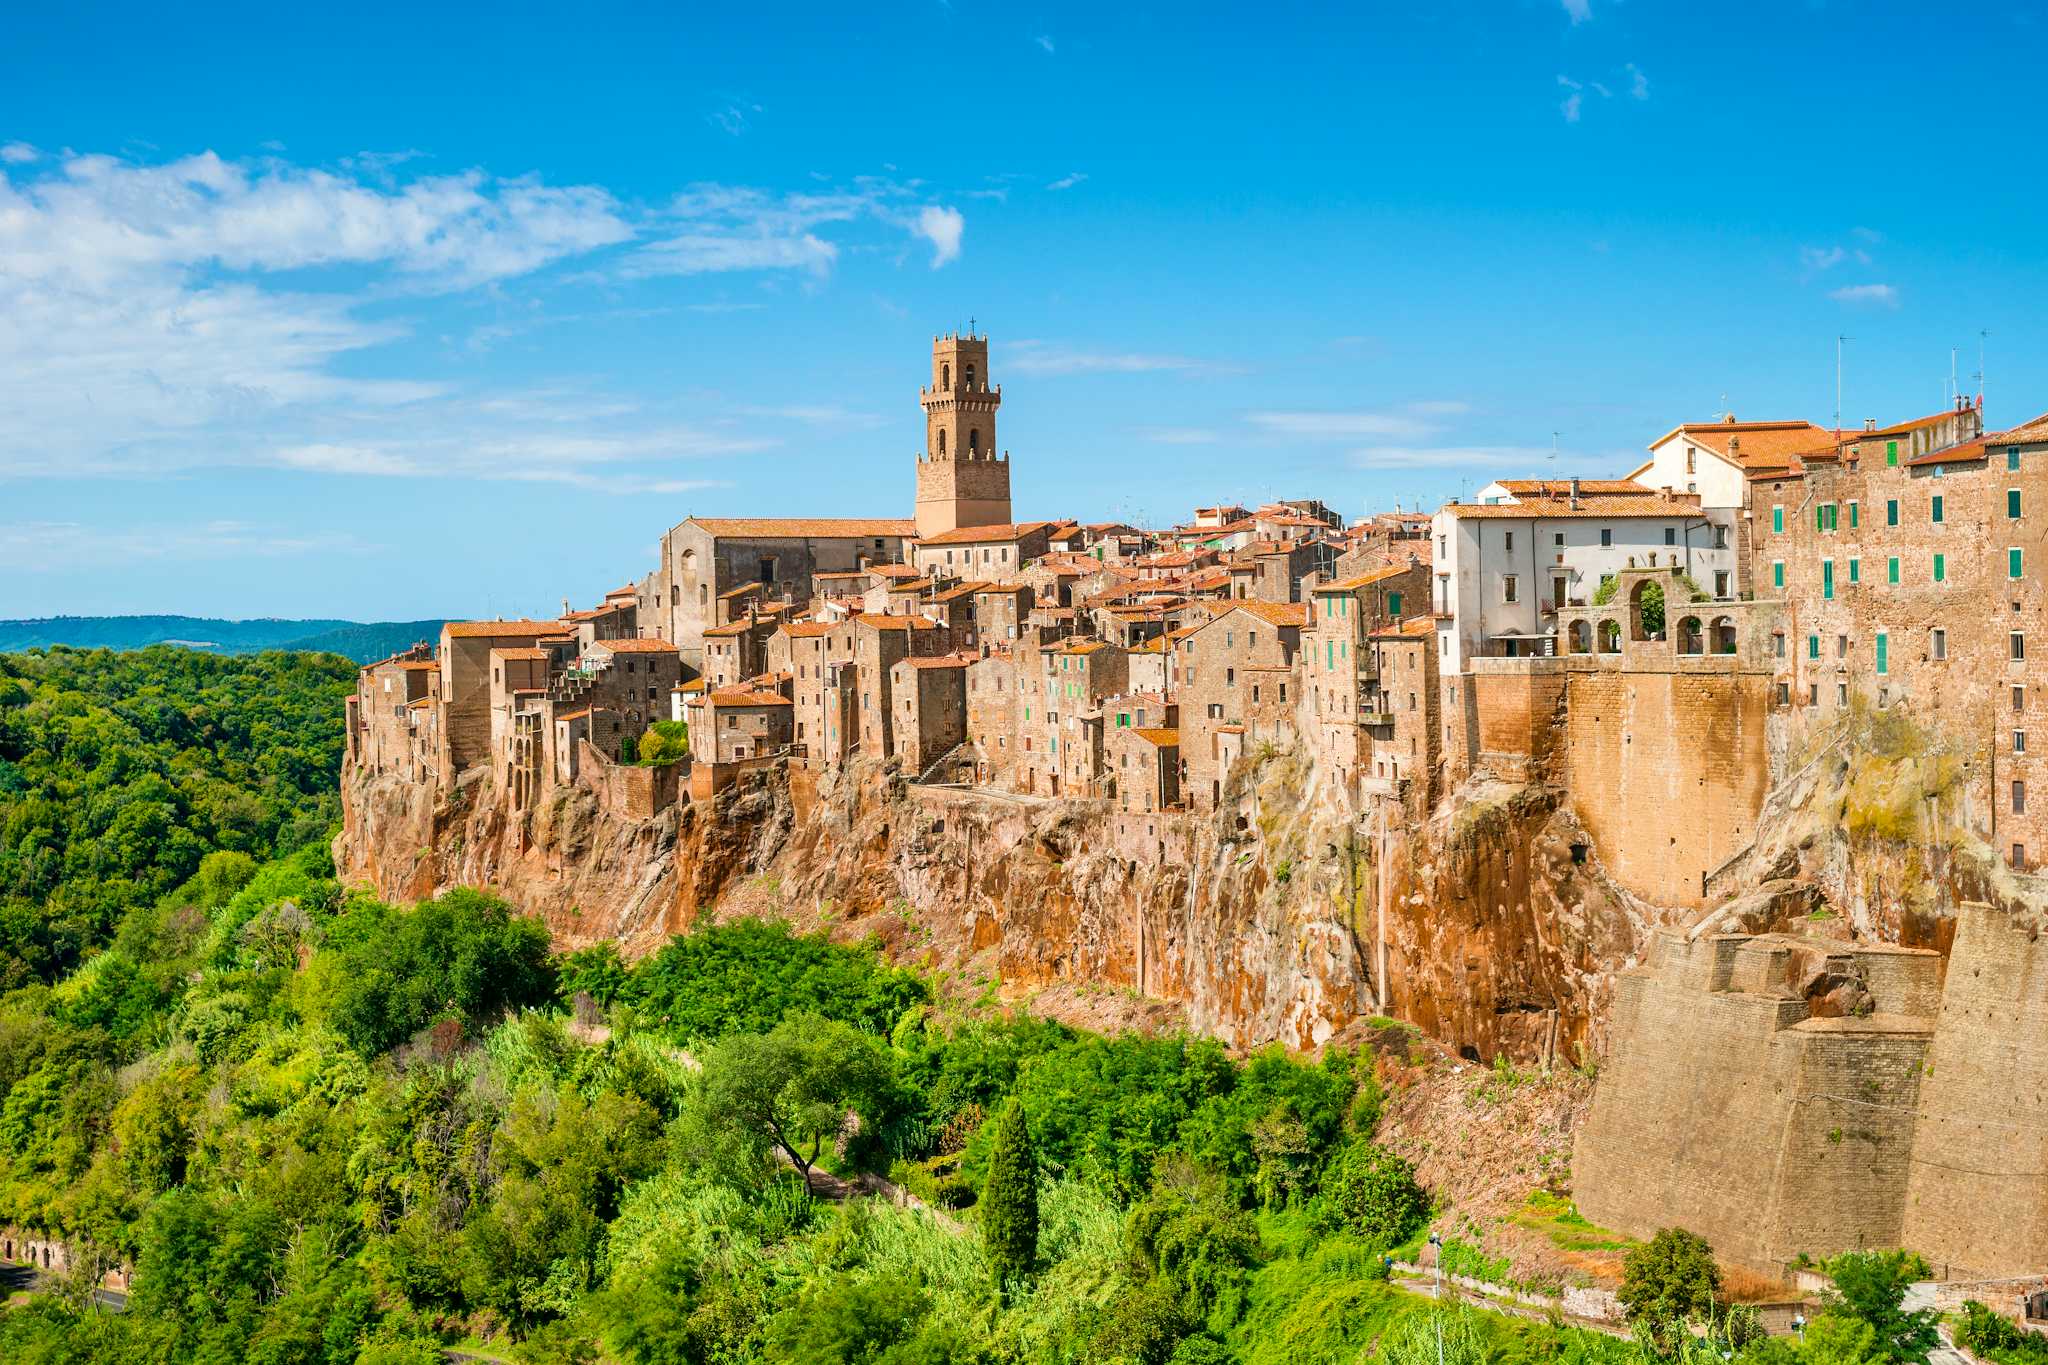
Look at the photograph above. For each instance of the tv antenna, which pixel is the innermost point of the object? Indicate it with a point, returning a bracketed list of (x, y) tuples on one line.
[(1840, 341)]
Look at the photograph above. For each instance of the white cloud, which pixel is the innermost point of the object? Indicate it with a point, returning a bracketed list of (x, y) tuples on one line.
[(942, 228), (733, 118), (17, 154), (1040, 358), (1450, 459), (1045, 41), (1337, 425), (1879, 295), (1067, 182), (1638, 83), (1579, 10), (1815, 259), (67, 547)]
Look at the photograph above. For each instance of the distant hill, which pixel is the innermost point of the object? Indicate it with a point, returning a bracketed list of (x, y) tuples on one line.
[(358, 640)]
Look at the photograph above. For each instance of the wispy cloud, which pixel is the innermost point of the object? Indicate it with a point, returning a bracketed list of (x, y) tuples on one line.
[(1638, 83), (1877, 295), (1044, 358), (18, 154), (1067, 182), (1579, 10), (1816, 259), (942, 228), (1572, 103), (733, 118), (1450, 459), (1044, 41), (46, 547)]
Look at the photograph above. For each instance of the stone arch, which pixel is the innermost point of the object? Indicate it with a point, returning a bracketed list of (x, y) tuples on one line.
[(1579, 638), (1638, 628), (942, 441), (1690, 640), (945, 376), (1722, 635), (970, 374), (1610, 636)]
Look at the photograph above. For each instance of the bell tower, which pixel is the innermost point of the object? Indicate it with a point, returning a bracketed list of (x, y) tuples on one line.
[(961, 479)]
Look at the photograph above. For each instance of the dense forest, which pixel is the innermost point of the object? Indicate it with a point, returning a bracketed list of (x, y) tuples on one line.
[(319, 1128), (362, 641)]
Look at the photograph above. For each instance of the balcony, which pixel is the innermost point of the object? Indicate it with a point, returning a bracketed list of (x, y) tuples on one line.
[(1375, 718)]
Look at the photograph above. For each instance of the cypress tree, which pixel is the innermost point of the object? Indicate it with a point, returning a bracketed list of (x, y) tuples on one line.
[(1009, 1201)]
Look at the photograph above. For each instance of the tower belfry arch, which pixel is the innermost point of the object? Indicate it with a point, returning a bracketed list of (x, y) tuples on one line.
[(963, 479)]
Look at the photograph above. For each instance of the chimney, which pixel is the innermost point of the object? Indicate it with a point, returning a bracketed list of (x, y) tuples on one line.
[(1575, 492), (1870, 424)]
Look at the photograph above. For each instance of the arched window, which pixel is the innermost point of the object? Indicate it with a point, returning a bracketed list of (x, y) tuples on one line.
[(945, 376), (703, 594), (974, 440), (970, 375), (942, 440)]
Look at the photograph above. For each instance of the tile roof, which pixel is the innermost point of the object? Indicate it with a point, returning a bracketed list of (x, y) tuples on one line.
[(841, 573), (639, 645), (693, 685), (880, 622), (1165, 739), (2029, 431), (1363, 580), (520, 653), (728, 629), (741, 591), (982, 589), (628, 591), (1279, 613), (418, 665), (978, 535), (1901, 428), (499, 630), (418, 702), (910, 585), (805, 528), (578, 714), (1610, 508), (1955, 454), (747, 696), (806, 630), (894, 571), (938, 661), (1562, 488), (1078, 646), (1756, 443)]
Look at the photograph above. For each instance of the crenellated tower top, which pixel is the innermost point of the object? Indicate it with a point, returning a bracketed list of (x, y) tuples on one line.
[(963, 479)]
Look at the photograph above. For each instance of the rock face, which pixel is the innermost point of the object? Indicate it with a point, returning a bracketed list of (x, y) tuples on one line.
[(1262, 923)]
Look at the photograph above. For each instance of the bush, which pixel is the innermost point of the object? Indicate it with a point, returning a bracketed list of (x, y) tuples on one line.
[(1669, 1281), (1871, 1287), (1372, 1192), (666, 742)]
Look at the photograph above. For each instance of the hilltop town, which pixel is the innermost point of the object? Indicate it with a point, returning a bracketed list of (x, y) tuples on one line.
[(1102, 661), (1695, 769)]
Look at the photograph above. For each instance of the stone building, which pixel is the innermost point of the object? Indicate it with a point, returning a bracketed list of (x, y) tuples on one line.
[(1231, 675), (992, 715), (802, 650), (930, 700), (465, 659), (1000, 610), (737, 724), (961, 479), (394, 700), (874, 645), (981, 551)]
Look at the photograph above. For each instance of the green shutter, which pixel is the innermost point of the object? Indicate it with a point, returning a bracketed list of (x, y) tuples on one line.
[(1813, 646), (1891, 512), (1827, 579), (1777, 573), (1940, 569), (1883, 652), (1820, 516), (1394, 605), (2012, 502), (1891, 570), (2012, 563), (1777, 521), (1855, 571), (1937, 507), (2012, 457), (1891, 452), (1855, 515)]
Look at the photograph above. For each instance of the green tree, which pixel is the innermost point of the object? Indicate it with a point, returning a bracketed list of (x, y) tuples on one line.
[(1871, 1286), (1837, 1338), (1194, 1238), (1009, 1199), (1669, 1281), (666, 742), (1373, 1192), (792, 1086)]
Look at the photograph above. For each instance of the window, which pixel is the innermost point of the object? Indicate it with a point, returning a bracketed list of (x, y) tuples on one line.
[(1891, 452), (1558, 540), (1841, 694), (2019, 797), (1670, 535), (1394, 605), (2019, 645), (1884, 656), (1720, 537), (2019, 741), (1938, 644), (1934, 509), (1813, 646), (2012, 503), (1855, 516), (1777, 573), (1508, 589), (1827, 579), (1841, 646), (1891, 512), (2019, 857), (1784, 694), (1891, 569), (2013, 560), (2012, 457), (1778, 520), (1813, 694), (1606, 538), (1510, 541), (1940, 568), (2019, 697), (1721, 583), (1778, 644), (1855, 571)]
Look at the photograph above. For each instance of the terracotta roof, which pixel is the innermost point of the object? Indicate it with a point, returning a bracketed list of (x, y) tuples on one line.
[(1363, 580), (1609, 508), (607, 609), (939, 661), (805, 528), (1165, 739), (1955, 454), (957, 590), (638, 645), (1155, 645), (1230, 729), (520, 653), (556, 640), (729, 628), (879, 622), (418, 702), (910, 585), (841, 573), (499, 630), (2024, 433), (418, 665), (1079, 646), (1757, 443), (1414, 625), (805, 630), (1901, 428), (578, 714), (741, 591), (1562, 488), (1279, 613), (894, 571), (747, 696), (979, 535), (693, 685)]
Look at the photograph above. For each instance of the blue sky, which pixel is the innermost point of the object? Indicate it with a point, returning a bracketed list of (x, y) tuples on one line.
[(407, 311)]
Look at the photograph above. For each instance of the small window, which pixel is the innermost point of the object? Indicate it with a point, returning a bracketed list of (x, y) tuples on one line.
[(2012, 503), (2019, 697), (1510, 541), (1938, 644), (1777, 573), (1891, 512), (1778, 520), (2019, 644), (1855, 516), (2012, 457), (1891, 452), (1670, 535), (1934, 509), (1855, 571), (1891, 570), (2019, 797), (1940, 568), (2014, 560), (1606, 538), (1721, 583), (1784, 694), (1813, 646), (1884, 654), (1778, 644), (2019, 741), (1509, 589), (1841, 694), (1558, 540)]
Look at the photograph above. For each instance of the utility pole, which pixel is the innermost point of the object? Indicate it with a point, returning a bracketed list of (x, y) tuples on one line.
[(1839, 341)]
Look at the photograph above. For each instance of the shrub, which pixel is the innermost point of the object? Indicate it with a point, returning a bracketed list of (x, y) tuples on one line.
[(1372, 1192), (1669, 1281)]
